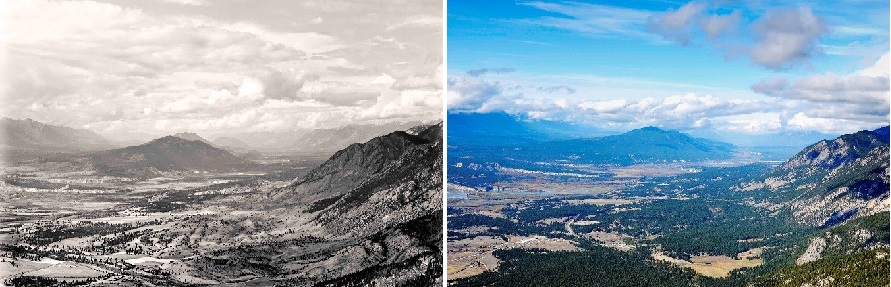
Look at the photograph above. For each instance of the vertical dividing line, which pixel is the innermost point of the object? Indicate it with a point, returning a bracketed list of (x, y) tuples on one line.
[(445, 143)]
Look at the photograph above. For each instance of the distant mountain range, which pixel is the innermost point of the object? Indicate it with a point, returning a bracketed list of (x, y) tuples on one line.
[(317, 140), (498, 129), (170, 153), (231, 143), (835, 180), (30, 134)]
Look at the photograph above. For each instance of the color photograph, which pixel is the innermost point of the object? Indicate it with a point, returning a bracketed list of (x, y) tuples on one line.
[(668, 143)]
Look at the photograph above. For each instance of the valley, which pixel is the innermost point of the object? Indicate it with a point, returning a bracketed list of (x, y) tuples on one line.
[(164, 219), (666, 222)]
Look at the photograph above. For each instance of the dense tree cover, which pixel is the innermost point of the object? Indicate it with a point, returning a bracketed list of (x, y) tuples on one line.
[(51, 233), (709, 214), (33, 281), (595, 266), (867, 268)]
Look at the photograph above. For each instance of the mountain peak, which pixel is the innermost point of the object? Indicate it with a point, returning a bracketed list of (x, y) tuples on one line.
[(649, 129), (169, 153), (192, 137)]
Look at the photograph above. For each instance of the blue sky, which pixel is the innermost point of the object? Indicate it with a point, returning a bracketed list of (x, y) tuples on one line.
[(748, 66)]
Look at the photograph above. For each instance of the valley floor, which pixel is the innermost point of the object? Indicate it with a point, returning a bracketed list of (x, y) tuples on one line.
[(693, 226)]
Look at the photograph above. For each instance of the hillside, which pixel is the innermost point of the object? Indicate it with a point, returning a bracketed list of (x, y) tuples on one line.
[(30, 134), (169, 153), (833, 180), (854, 253), (386, 192)]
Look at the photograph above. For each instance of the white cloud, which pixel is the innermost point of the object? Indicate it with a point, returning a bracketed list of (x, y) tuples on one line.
[(869, 86), (717, 25), (470, 93), (431, 21), (786, 37), (598, 20), (676, 25), (383, 79), (121, 66)]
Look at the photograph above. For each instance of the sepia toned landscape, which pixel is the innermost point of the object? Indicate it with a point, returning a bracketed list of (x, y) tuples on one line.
[(369, 214), (221, 143)]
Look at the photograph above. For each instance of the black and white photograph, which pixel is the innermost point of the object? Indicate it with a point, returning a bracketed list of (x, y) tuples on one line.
[(232, 142)]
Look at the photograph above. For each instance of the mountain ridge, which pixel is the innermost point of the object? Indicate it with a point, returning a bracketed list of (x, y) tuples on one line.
[(31, 134), (832, 181)]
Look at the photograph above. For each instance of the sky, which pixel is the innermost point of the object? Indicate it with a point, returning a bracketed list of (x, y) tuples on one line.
[(222, 66), (747, 66)]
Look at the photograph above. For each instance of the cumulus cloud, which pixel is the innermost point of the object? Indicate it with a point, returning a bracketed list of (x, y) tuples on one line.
[(470, 93), (780, 39), (676, 25), (124, 66), (785, 37), (869, 86), (685, 111), (831, 102), (718, 25)]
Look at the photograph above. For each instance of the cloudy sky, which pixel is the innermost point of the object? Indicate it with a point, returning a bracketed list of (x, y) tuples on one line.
[(748, 66), (221, 66)]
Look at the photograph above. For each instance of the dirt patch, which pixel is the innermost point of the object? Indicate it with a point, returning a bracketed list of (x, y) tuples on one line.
[(472, 256), (715, 266), (612, 240)]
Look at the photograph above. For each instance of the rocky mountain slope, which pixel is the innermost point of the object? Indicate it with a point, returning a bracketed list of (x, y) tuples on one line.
[(169, 153), (384, 197), (833, 180), (30, 134), (854, 253)]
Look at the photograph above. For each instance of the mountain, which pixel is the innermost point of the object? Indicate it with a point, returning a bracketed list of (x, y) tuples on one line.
[(339, 138), (31, 134), (644, 145), (231, 142), (498, 129), (317, 140), (383, 196), (796, 139), (169, 153), (357, 176), (833, 181), (193, 137)]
